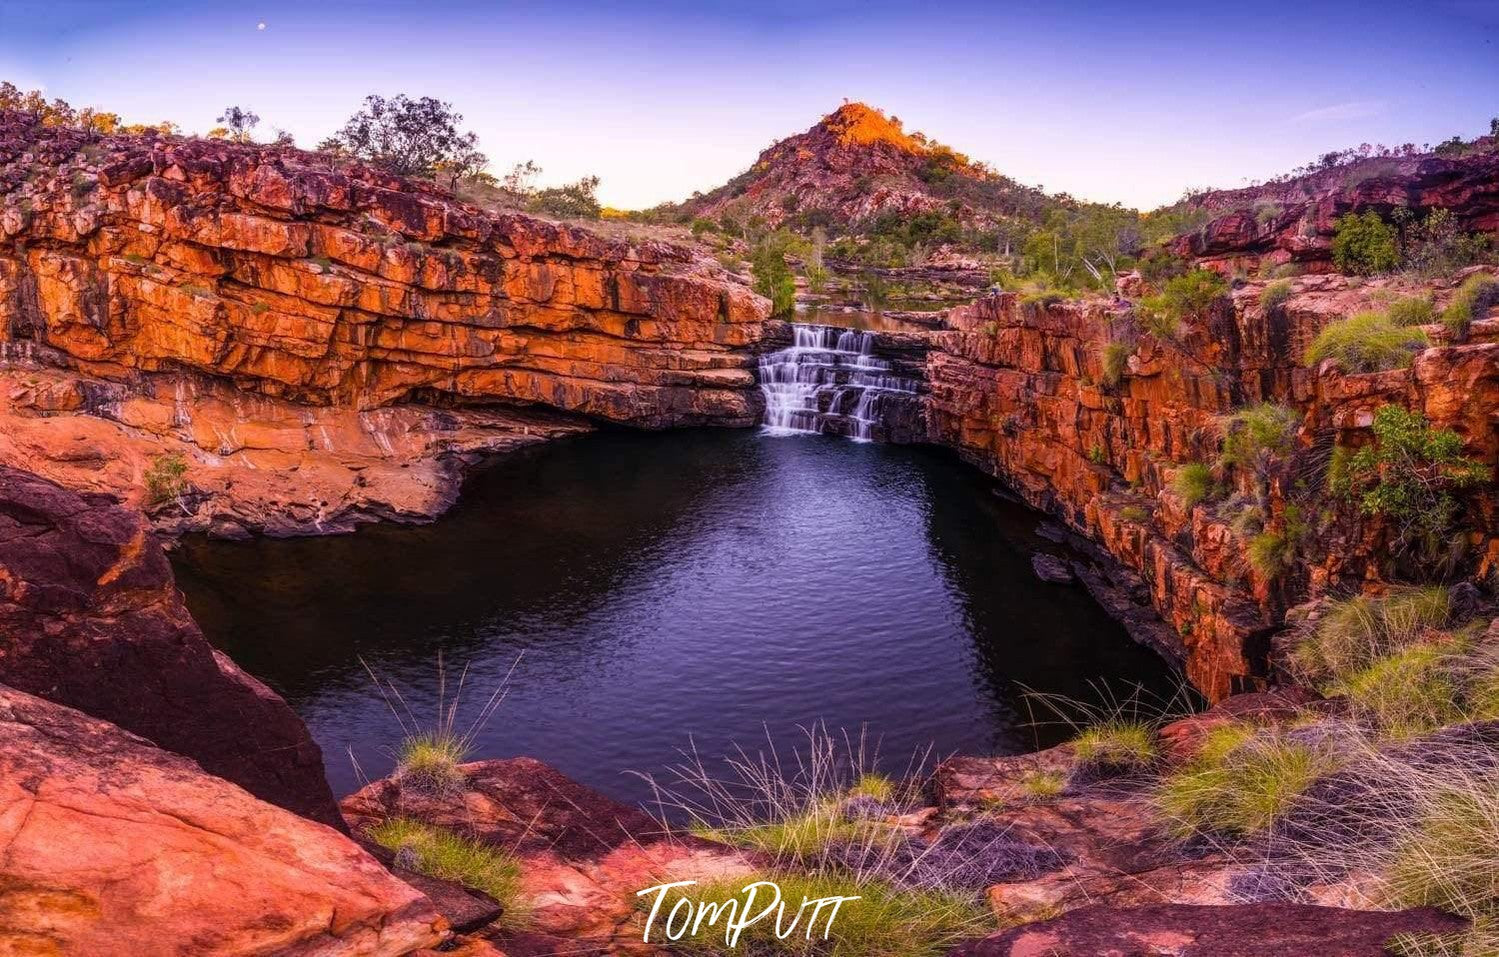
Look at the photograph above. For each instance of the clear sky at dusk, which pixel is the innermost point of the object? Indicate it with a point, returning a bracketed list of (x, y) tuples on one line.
[(1108, 101)]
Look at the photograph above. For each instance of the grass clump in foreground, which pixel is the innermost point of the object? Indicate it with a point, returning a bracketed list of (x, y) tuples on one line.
[(884, 921), (440, 853), (1240, 782), (1366, 342), (1409, 692), (1411, 311), (1352, 634), (1117, 746)]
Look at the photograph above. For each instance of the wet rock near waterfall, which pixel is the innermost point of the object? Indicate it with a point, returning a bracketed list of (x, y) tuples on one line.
[(1050, 568)]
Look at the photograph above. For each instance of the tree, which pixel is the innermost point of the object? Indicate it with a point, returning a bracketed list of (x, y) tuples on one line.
[(773, 278), (407, 137), (1364, 244), (238, 122), (521, 178), (572, 201)]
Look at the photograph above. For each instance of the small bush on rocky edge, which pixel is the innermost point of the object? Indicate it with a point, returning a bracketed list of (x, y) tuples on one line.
[(164, 478), (440, 853), (885, 921), (1257, 433), (1194, 483), (1240, 782), (1364, 244), (1366, 342), (1182, 297), (1477, 293), (1411, 311), (1354, 633), (1274, 296), (876, 787), (428, 763), (1134, 513), (1115, 359), (1043, 784), (1412, 475), (1116, 747)]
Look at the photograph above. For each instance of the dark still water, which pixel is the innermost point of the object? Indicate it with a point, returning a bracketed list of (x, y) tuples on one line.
[(702, 585)]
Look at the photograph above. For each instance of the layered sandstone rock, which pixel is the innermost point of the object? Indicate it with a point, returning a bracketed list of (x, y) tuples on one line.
[(90, 618), (1019, 390), (112, 846), (583, 856), (171, 276)]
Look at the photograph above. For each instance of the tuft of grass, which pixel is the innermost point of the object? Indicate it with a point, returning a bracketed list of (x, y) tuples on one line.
[(1241, 782), (1411, 311), (1408, 692), (440, 853), (1194, 483), (885, 921), (260, 308), (1043, 784), (1134, 513), (1477, 293), (1115, 359), (1116, 746), (1274, 296), (1367, 342), (1450, 858), (1271, 553), (1353, 634), (165, 478), (1258, 433), (876, 787), (428, 763)]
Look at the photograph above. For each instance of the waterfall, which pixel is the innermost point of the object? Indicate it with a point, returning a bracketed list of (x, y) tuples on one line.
[(829, 380)]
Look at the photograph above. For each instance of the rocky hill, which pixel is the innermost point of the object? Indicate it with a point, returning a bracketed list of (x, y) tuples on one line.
[(857, 163)]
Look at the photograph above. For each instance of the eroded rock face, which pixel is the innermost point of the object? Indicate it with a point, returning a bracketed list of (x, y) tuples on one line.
[(1184, 930), (90, 618), (1019, 390), (583, 856), (109, 845)]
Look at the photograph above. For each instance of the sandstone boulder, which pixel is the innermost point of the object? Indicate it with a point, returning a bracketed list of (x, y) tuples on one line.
[(109, 845), (90, 618)]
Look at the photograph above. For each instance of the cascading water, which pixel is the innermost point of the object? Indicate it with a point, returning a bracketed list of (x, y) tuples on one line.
[(829, 380)]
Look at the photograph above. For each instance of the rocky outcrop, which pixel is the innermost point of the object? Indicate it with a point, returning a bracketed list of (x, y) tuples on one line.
[(1184, 930), (1293, 221), (111, 846), (376, 322), (1020, 390), (583, 856), (90, 618)]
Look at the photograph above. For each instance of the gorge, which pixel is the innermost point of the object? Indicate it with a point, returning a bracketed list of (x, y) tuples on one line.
[(284, 366)]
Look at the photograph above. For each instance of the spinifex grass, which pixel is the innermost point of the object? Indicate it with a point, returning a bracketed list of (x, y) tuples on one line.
[(440, 853)]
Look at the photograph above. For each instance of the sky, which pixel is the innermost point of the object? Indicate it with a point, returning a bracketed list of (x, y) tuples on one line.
[(1127, 102)]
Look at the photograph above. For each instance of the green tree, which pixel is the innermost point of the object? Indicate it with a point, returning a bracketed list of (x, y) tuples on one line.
[(773, 278)]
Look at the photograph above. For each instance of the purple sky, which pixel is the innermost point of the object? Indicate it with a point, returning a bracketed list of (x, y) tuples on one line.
[(1108, 101)]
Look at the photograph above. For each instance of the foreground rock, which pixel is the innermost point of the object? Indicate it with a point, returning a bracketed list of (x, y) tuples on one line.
[(583, 856), (112, 846), (149, 263), (1242, 930), (90, 618)]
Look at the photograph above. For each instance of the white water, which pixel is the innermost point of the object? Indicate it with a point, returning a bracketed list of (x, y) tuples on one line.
[(828, 374)]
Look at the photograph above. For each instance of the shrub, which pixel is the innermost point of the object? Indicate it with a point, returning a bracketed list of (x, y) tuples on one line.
[(1194, 483), (773, 278), (1433, 245), (440, 853), (1259, 432), (1097, 455), (1477, 293), (1271, 553), (1043, 784), (1241, 782), (1134, 513), (1411, 311), (1405, 693), (1116, 746), (1367, 342), (1364, 244), (701, 226), (1183, 296), (1274, 296), (164, 478), (886, 920), (1115, 359), (1411, 475), (428, 763), (1353, 634)]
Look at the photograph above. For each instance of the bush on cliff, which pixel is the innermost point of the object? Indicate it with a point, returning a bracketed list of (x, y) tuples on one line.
[(1412, 476), (773, 278), (1273, 296), (1193, 482), (1190, 295), (164, 478), (1115, 360), (1367, 342), (1364, 244), (1259, 433)]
